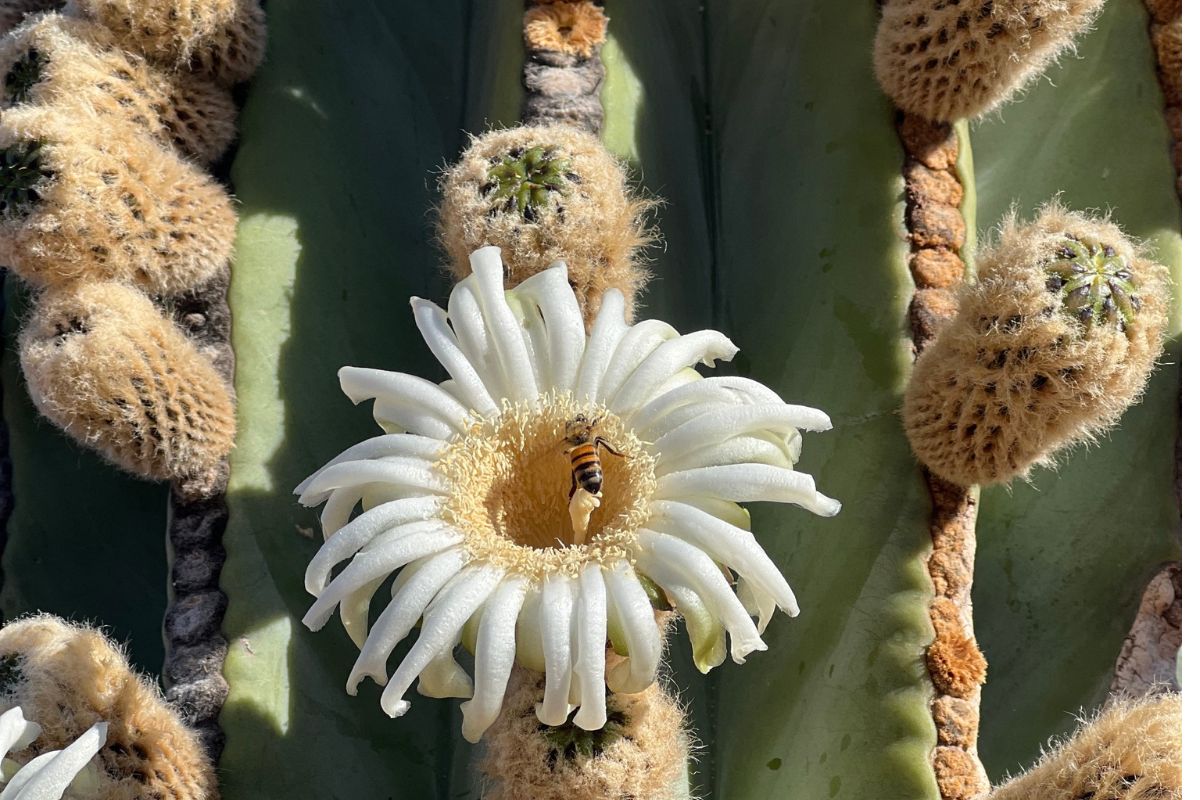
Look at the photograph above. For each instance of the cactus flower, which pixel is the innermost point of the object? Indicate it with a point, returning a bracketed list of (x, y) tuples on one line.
[(467, 495), (48, 775)]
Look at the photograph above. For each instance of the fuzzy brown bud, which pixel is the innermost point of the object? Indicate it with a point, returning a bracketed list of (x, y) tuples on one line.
[(1049, 347), (104, 365)]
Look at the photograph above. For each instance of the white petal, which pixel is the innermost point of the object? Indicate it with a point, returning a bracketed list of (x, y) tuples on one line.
[(558, 614), (635, 346), (414, 588), (466, 315), (358, 473), (608, 329), (671, 562), (681, 378), (726, 544), (15, 731), (705, 631), (441, 628), (339, 505), (414, 543), (400, 397), (408, 445), (748, 483), (634, 616), (667, 359), (591, 634), (503, 330), (757, 600), (444, 677), (533, 331), (355, 608), (726, 389), (551, 292), (725, 422), (48, 779), (529, 632), (763, 448), (495, 649), (446, 347), (354, 536)]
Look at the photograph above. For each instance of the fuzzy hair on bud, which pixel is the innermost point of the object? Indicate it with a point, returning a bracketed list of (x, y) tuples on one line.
[(1050, 346), (1131, 751), (945, 61), (638, 755), (14, 12), (103, 364), (545, 193), (574, 28), (223, 40), (69, 677), (82, 200), (74, 63)]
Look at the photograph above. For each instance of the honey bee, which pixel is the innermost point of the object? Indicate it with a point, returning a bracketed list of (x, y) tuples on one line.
[(586, 473)]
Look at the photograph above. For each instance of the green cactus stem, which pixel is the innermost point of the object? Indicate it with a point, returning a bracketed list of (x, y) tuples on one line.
[(522, 181), (570, 742), (24, 75), (21, 175), (1094, 282)]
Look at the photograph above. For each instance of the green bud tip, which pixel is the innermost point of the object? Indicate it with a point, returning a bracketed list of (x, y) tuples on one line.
[(21, 178), (23, 76), (1093, 281), (570, 742), (523, 181)]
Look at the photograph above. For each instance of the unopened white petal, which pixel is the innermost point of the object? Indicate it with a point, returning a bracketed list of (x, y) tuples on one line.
[(444, 677), (503, 330), (558, 614), (591, 634), (635, 346), (379, 562), (399, 396), (634, 616), (495, 649), (726, 544), (415, 587), (355, 535), (440, 628), (608, 329), (749, 483), (671, 562), (668, 358)]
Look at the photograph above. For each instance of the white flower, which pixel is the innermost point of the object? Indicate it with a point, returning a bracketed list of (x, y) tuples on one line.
[(49, 775), (466, 495)]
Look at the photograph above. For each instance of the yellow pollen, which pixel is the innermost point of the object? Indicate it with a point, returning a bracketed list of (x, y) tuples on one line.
[(510, 477)]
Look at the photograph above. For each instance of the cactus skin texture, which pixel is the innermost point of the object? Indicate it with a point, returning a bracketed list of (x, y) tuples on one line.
[(76, 64), (1131, 751), (70, 677), (1050, 346), (105, 366)]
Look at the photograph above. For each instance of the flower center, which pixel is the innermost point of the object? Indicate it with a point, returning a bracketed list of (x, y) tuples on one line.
[(511, 476)]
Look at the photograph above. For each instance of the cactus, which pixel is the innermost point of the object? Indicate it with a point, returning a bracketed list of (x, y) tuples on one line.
[(780, 164)]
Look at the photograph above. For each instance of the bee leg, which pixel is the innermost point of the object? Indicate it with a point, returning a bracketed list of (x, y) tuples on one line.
[(574, 487), (604, 443)]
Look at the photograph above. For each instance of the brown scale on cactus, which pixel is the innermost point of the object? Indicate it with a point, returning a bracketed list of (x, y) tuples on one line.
[(525, 180), (22, 178), (1094, 282)]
